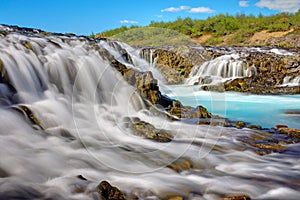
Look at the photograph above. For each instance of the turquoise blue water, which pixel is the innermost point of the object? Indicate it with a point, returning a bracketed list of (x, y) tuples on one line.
[(264, 110)]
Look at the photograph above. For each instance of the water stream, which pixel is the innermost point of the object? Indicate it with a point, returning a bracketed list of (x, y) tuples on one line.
[(82, 104)]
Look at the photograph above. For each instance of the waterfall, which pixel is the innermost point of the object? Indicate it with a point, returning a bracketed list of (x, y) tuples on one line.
[(84, 108), (219, 70), (290, 81)]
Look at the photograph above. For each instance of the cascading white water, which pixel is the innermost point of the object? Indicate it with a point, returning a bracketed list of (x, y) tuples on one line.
[(218, 70), (82, 104), (289, 81)]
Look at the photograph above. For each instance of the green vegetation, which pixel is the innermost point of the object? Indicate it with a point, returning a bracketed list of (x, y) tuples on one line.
[(239, 27), (150, 36)]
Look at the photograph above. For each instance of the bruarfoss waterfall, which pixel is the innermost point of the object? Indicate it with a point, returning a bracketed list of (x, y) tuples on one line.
[(66, 116)]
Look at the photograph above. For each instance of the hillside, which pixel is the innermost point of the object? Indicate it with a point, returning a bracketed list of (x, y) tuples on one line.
[(221, 30)]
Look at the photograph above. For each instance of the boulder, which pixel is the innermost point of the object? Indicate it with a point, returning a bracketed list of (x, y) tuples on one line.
[(236, 197), (148, 131), (109, 192)]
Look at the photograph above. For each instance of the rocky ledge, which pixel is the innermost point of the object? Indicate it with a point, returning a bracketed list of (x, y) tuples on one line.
[(274, 70)]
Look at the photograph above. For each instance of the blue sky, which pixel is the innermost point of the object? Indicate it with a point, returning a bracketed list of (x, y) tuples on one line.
[(87, 16)]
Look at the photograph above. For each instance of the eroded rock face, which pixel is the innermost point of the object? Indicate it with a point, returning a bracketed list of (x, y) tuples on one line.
[(175, 63), (145, 84)]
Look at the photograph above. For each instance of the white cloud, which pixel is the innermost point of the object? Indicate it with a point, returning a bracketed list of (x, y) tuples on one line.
[(280, 5), (159, 16), (173, 9), (201, 10), (243, 3), (125, 21)]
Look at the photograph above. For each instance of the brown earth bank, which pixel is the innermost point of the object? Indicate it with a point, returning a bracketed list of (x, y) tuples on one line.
[(289, 38)]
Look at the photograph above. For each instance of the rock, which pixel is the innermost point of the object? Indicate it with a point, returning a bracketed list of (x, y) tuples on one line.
[(188, 112), (148, 131), (29, 114), (81, 177), (3, 173), (293, 112), (27, 45), (180, 165), (292, 132), (174, 63), (3, 74), (175, 198), (237, 197), (267, 148), (279, 126), (254, 127), (108, 192), (240, 124), (214, 121), (171, 75)]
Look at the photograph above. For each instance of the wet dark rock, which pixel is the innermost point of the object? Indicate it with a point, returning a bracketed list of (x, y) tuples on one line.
[(175, 63), (180, 165), (145, 84), (271, 140), (81, 177), (27, 112), (215, 121), (292, 132), (181, 111), (3, 173), (176, 198), (240, 124), (279, 126), (237, 197), (148, 131), (109, 192), (292, 112), (254, 127)]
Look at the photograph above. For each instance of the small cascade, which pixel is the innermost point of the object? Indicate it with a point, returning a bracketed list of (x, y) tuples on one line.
[(219, 70), (147, 54), (290, 81)]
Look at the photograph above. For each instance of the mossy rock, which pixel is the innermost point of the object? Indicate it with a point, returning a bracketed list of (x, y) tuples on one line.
[(148, 131), (27, 45), (180, 165), (29, 114), (4, 76), (236, 197), (258, 127), (240, 124), (109, 192)]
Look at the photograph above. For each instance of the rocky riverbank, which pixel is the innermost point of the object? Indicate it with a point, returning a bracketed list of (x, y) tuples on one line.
[(272, 70)]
